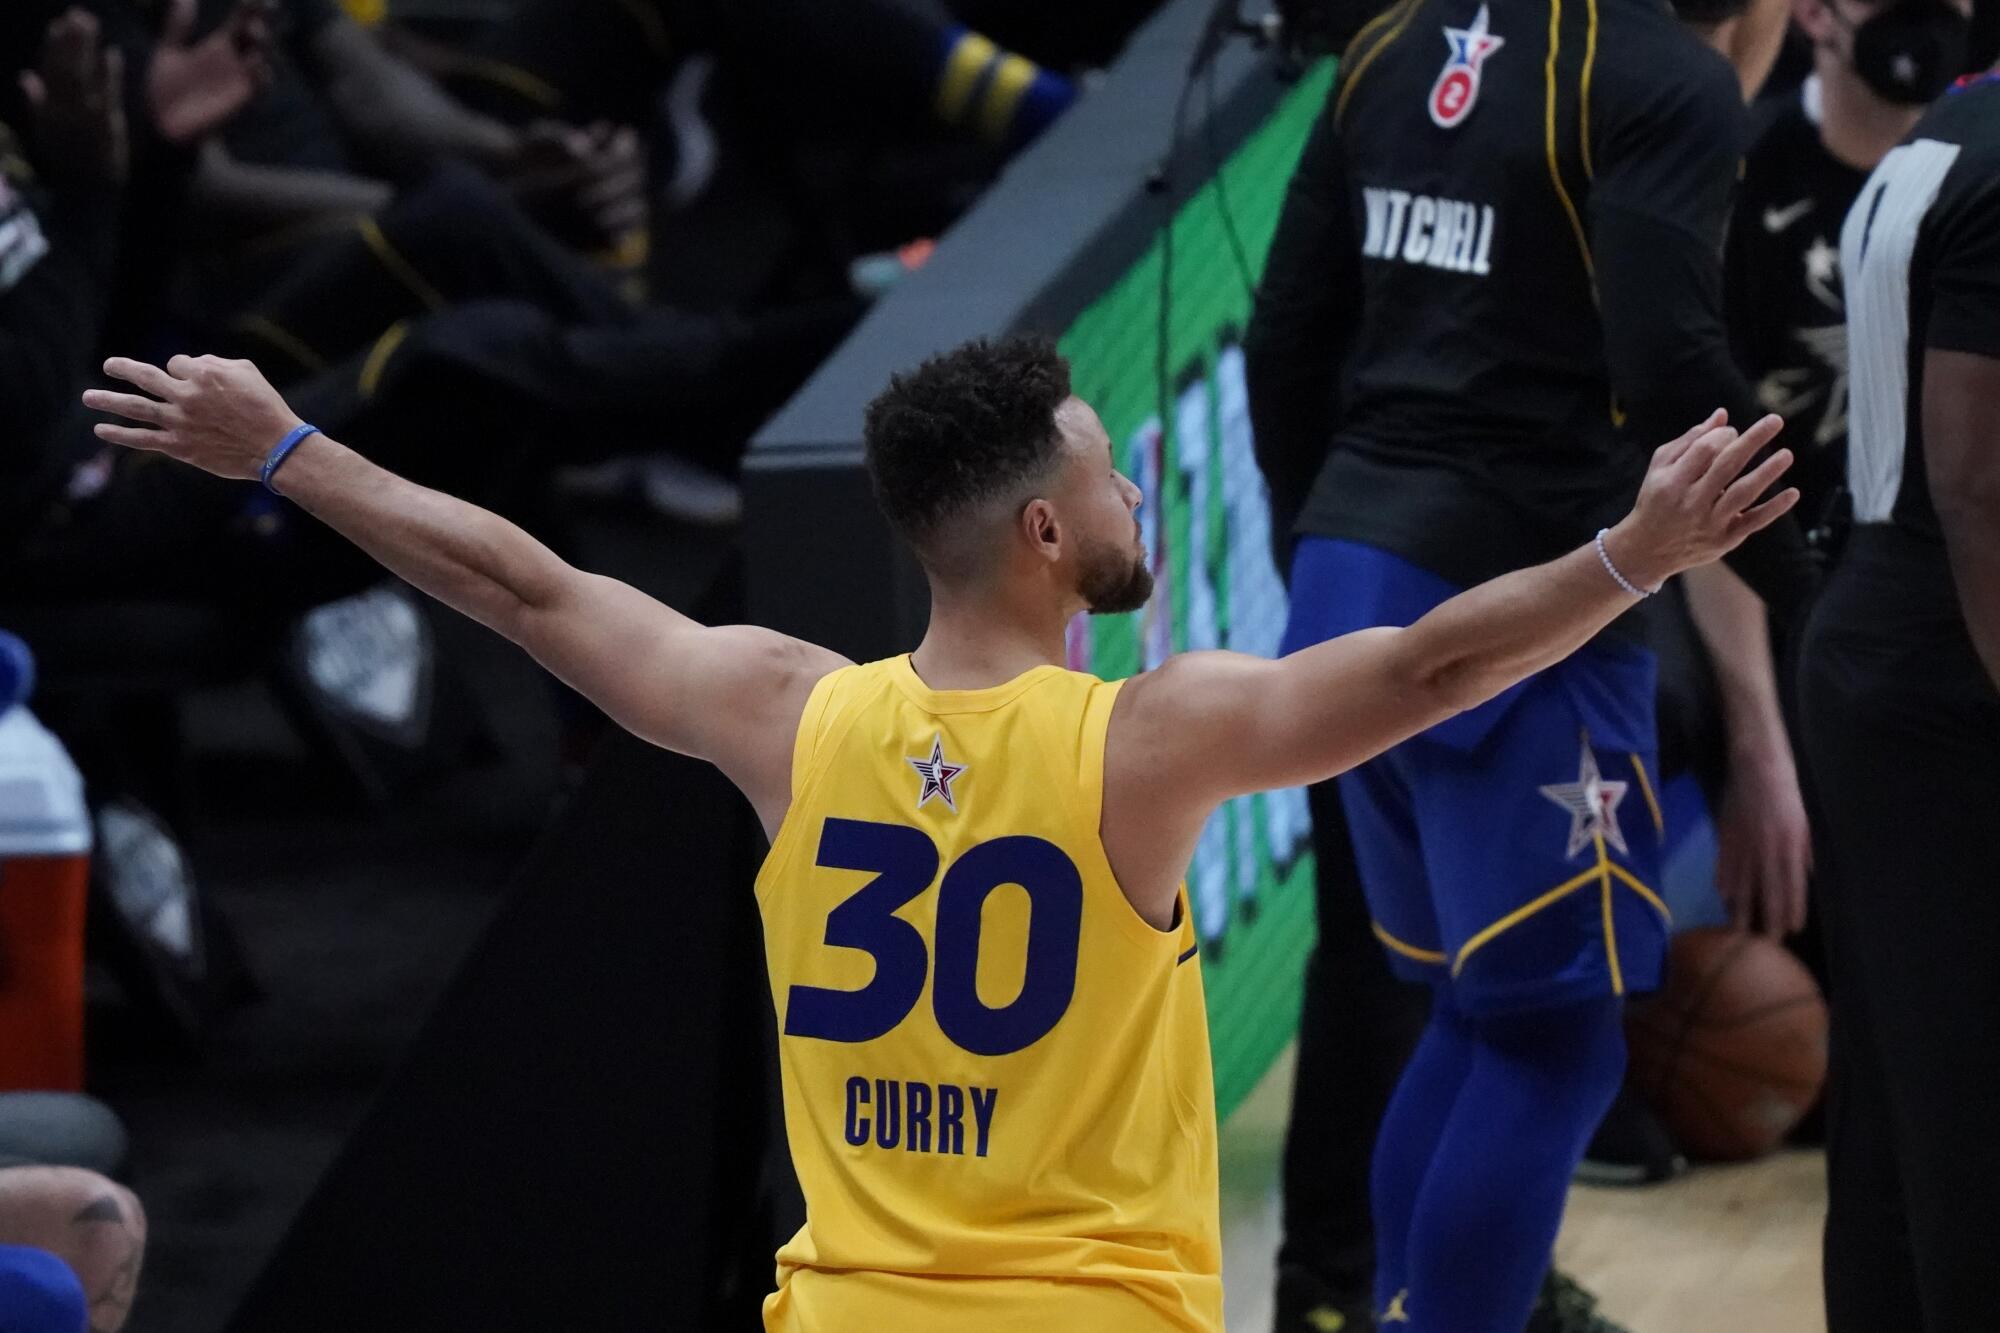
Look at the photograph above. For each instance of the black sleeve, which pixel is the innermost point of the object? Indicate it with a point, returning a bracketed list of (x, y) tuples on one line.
[(1965, 279), (1307, 306), (1659, 210)]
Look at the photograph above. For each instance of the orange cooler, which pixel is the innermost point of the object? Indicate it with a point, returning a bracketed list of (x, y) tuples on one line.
[(44, 875)]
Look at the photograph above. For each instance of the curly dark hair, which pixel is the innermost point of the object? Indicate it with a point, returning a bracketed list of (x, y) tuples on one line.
[(961, 429)]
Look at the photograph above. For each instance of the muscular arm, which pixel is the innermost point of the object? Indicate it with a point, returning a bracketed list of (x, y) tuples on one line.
[(1961, 403), (731, 695), (1208, 726)]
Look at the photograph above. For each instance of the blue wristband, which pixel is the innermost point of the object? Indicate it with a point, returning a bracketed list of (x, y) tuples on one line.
[(284, 451)]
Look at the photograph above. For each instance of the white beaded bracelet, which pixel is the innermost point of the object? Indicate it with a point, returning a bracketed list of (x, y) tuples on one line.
[(1612, 570)]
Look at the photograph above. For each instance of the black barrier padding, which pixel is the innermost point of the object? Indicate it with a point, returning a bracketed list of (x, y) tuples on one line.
[(577, 1137), (834, 573)]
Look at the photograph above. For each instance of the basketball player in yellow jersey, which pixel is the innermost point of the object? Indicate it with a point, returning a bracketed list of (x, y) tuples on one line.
[(995, 1061)]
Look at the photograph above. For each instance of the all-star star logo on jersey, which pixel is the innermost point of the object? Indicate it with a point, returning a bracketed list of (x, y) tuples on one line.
[(1457, 86), (937, 775), (1592, 801)]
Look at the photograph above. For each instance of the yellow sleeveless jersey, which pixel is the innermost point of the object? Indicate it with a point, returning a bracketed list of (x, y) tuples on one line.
[(996, 1073)]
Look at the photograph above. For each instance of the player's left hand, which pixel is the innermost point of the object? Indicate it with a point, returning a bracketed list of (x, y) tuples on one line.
[(1765, 845), (221, 416)]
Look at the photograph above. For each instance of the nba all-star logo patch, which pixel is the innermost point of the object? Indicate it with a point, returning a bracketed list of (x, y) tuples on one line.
[(1592, 801), (1457, 86), (938, 775)]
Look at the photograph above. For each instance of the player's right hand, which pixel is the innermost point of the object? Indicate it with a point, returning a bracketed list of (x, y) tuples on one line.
[(222, 416), (1698, 502)]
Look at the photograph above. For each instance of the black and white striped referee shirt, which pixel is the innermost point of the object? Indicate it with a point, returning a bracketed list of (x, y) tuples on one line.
[(1921, 255)]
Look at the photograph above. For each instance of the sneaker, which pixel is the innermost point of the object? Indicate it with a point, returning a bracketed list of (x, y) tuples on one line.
[(1631, 1147), (1308, 1305), (1565, 1307)]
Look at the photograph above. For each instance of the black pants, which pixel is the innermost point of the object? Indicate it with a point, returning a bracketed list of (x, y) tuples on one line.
[(1357, 1027), (1903, 732)]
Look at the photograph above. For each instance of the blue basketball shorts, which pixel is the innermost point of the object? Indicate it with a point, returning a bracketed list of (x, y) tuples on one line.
[(1512, 852)]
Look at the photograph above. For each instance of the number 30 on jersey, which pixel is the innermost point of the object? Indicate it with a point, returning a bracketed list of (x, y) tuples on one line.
[(905, 863)]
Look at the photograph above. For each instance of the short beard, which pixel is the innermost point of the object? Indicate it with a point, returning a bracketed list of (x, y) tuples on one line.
[(1115, 580)]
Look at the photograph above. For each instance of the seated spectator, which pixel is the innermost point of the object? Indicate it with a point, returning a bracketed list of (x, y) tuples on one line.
[(346, 124), (70, 146), (901, 60), (556, 360)]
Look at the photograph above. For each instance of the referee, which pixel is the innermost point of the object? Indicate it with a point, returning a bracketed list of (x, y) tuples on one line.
[(1901, 694), (1497, 276)]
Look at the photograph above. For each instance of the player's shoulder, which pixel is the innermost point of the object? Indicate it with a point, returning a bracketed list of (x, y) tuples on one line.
[(1966, 205), (1969, 118), (1187, 701), (778, 652)]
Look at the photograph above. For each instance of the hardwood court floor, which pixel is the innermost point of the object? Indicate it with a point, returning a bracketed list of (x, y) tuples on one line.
[(1724, 1250)]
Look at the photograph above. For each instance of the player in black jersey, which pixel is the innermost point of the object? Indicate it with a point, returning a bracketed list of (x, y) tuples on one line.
[(1901, 692), (1876, 65), (1498, 267)]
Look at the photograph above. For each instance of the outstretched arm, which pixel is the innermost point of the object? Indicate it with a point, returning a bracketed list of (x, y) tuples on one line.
[(1209, 726), (731, 695)]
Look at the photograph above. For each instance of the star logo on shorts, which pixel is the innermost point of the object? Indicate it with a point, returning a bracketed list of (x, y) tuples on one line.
[(1592, 801), (937, 775)]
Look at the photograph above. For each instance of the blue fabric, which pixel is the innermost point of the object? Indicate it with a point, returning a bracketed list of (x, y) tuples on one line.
[(1475, 1157), (1412, 1127), (39, 1293), (283, 451), (1046, 98), (1474, 873), (1038, 106), (1692, 853), (17, 671)]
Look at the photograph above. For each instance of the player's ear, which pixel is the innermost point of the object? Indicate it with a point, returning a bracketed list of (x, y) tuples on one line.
[(1042, 529)]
